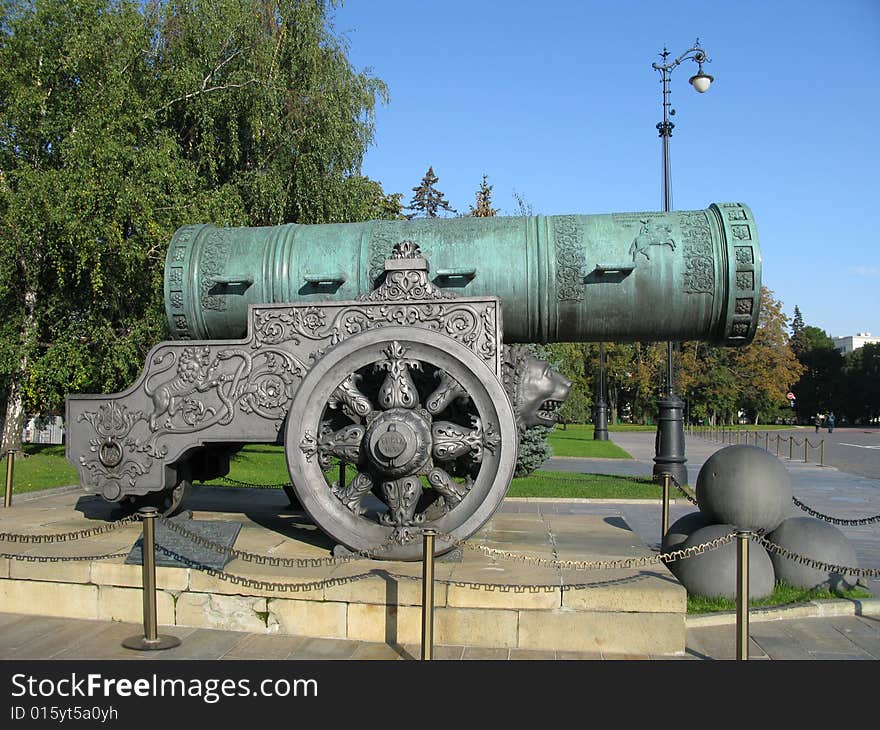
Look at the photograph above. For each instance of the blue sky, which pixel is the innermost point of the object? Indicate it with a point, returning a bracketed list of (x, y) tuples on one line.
[(558, 102)]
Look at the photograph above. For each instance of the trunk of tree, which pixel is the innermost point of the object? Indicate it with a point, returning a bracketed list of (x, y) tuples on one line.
[(14, 421)]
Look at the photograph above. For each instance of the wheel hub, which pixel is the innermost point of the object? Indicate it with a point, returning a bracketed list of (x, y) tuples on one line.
[(398, 442)]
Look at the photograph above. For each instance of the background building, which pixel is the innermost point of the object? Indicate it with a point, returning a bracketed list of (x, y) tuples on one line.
[(44, 430), (853, 342)]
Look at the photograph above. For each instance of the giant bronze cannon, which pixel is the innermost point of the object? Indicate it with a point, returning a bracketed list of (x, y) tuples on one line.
[(380, 345)]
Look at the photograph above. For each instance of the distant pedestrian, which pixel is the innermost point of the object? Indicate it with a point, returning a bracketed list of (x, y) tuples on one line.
[(817, 419), (831, 422)]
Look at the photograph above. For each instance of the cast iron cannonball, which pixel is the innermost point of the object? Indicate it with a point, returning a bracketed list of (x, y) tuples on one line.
[(713, 573), (744, 486), (815, 539), (681, 529)]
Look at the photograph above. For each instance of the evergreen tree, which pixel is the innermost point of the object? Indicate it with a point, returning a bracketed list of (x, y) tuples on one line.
[(798, 345), (483, 207), (427, 201)]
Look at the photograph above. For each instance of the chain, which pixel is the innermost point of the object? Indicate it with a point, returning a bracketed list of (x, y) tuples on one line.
[(272, 560), (680, 488), (68, 536), (237, 483), (619, 564), (61, 558), (861, 522), (818, 564), (836, 520), (263, 585)]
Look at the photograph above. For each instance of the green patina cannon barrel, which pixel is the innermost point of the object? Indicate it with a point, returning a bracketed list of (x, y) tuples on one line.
[(683, 275)]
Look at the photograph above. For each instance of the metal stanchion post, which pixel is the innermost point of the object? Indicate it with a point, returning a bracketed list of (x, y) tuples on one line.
[(806, 446), (150, 641), (10, 465), (665, 513), (428, 594), (742, 594), (777, 444), (791, 447), (822, 452)]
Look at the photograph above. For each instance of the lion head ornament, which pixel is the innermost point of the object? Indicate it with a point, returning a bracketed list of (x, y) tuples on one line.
[(535, 389)]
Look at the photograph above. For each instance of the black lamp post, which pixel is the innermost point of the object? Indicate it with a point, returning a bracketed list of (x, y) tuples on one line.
[(600, 430), (669, 443)]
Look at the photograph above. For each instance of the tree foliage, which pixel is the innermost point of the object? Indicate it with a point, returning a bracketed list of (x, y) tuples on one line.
[(718, 384), (847, 385), (482, 208), (798, 345), (122, 121), (427, 201), (767, 368), (862, 401)]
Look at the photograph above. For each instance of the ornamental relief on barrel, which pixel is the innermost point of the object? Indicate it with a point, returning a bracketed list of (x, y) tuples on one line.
[(212, 263), (699, 262), (457, 240), (570, 256)]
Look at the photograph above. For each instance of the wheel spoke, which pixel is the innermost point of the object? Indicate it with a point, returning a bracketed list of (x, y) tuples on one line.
[(344, 444), (452, 441), (447, 391), (402, 496), (350, 400), (451, 491), (352, 494), (398, 390)]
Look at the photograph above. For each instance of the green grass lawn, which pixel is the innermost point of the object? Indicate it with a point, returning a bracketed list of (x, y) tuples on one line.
[(556, 484), (40, 466), (577, 440), (45, 466), (783, 595)]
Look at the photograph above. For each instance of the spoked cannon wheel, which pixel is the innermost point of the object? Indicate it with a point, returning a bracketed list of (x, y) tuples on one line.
[(428, 427)]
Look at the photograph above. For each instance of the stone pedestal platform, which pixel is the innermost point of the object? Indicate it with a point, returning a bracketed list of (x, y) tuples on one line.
[(481, 600)]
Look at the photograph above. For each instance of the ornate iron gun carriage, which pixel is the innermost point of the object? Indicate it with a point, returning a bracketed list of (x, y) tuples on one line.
[(340, 342)]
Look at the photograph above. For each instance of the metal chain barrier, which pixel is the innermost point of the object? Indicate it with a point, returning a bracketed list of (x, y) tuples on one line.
[(836, 520), (262, 585), (61, 558), (622, 563), (817, 564), (690, 498), (69, 536), (618, 564)]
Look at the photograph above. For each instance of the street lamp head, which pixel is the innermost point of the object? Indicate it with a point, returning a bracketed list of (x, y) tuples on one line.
[(701, 81)]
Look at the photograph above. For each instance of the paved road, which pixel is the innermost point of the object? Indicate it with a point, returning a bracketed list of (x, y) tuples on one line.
[(855, 450)]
